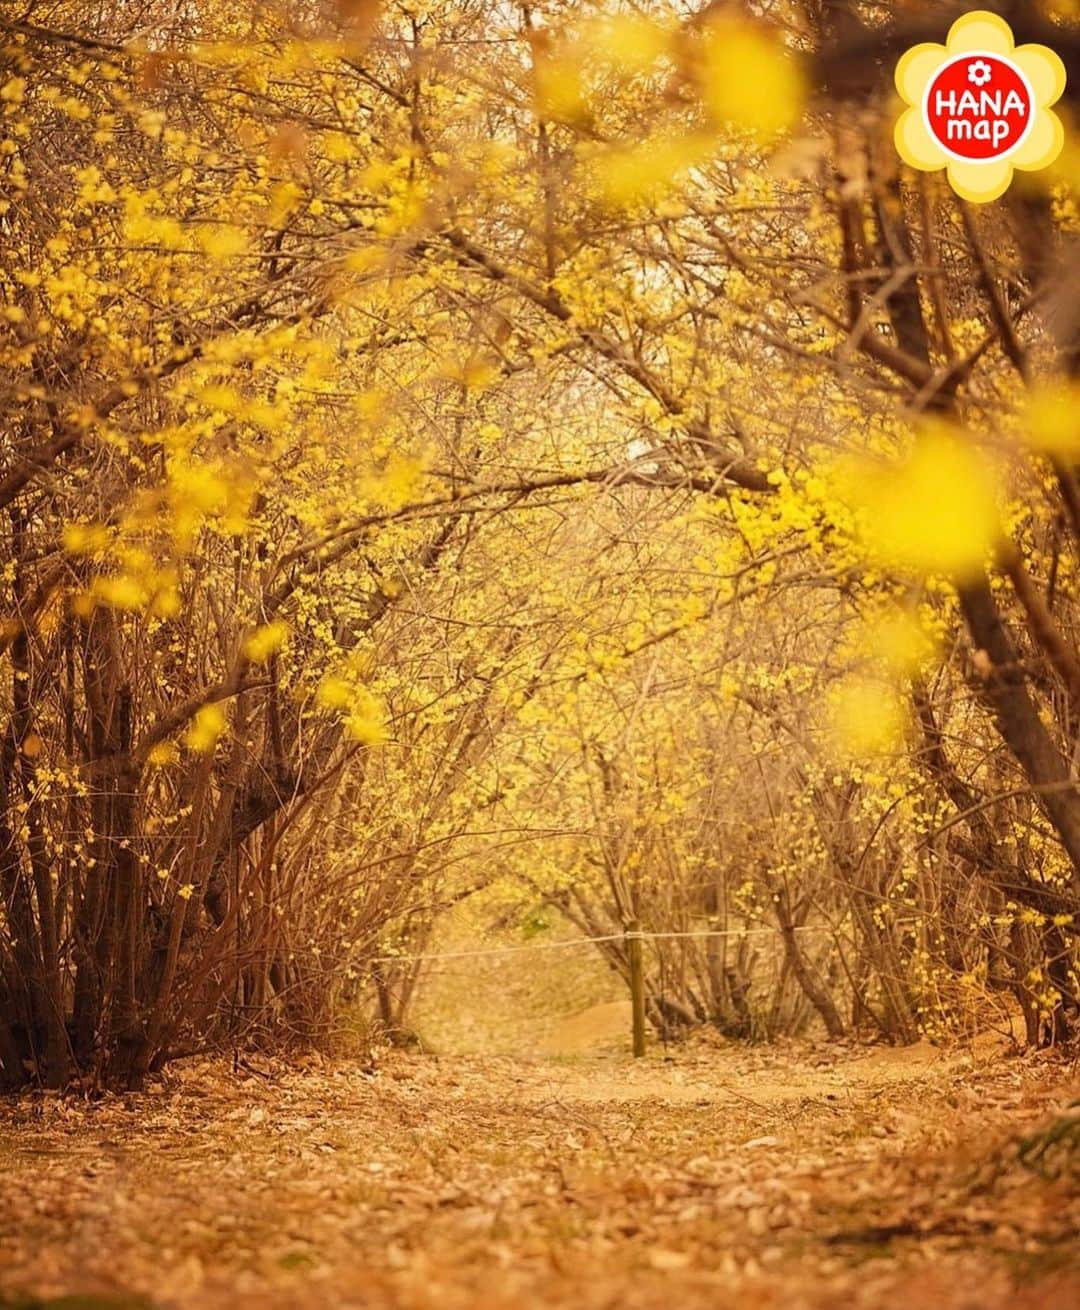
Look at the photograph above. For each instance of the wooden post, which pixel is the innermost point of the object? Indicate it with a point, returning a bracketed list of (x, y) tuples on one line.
[(632, 932)]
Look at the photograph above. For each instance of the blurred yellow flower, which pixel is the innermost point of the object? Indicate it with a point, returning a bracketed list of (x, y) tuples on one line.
[(935, 512), (749, 80), (207, 726), (867, 717), (265, 640)]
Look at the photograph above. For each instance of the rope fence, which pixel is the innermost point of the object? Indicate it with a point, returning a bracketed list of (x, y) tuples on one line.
[(507, 998), (629, 935)]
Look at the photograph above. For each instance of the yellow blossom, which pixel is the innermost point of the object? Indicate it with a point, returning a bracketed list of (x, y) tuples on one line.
[(206, 727)]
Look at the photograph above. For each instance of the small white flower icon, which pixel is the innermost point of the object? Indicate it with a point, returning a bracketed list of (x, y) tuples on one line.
[(980, 72)]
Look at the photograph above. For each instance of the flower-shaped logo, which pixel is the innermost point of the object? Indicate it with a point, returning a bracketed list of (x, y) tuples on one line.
[(980, 107), (980, 72)]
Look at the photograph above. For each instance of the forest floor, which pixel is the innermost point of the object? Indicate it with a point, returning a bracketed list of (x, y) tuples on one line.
[(799, 1176)]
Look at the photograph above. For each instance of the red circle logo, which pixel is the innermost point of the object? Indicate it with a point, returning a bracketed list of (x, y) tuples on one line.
[(979, 107)]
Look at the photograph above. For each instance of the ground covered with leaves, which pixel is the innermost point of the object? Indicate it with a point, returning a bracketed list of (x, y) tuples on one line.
[(799, 1176)]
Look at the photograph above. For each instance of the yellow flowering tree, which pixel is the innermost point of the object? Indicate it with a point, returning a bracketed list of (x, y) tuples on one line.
[(376, 376)]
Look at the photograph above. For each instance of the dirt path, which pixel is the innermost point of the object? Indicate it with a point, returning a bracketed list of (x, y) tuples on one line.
[(727, 1178)]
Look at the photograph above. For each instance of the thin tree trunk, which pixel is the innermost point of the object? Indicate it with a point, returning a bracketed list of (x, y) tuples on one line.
[(816, 994)]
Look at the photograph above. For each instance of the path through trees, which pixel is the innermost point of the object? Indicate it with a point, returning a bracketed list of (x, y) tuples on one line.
[(800, 1176)]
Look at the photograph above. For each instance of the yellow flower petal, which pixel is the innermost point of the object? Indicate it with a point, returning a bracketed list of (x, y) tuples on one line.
[(981, 31), (916, 68), (1045, 142), (980, 182), (915, 144), (1044, 70)]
